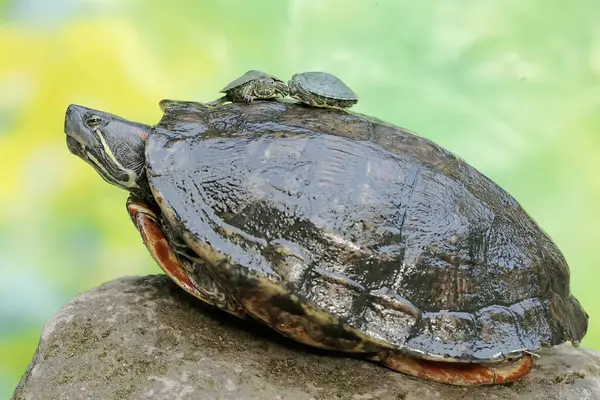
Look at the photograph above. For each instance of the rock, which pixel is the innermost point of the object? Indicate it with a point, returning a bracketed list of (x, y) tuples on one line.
[(143, 337)]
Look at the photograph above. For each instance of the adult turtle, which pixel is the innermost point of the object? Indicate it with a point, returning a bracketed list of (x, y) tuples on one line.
[(341, 232), (321, 89), (252, 85)]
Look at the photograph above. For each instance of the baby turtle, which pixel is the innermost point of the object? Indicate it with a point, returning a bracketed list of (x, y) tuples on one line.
[(321, 89), (341, 232), (252, 85)]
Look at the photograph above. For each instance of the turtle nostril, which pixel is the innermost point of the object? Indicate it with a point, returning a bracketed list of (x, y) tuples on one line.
[(71, 120), (71, 109)]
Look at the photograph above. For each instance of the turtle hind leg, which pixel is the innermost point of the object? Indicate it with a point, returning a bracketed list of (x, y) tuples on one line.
[(161, 250), (459, 374), (218, 102)]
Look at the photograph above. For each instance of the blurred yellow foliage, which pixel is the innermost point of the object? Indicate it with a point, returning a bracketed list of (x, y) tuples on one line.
[(512, 87)]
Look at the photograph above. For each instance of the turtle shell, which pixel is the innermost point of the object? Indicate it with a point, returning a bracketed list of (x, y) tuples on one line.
[(247, 77), (380, 238), (325, 85)]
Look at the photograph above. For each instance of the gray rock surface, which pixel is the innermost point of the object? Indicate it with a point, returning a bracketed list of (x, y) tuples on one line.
[(142, 337)]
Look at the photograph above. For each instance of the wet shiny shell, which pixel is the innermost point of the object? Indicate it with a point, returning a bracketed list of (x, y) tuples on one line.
[(247, 77), (360, 231), (325, 85)]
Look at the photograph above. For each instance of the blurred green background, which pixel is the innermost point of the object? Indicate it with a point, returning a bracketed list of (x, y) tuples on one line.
[(513, 87)]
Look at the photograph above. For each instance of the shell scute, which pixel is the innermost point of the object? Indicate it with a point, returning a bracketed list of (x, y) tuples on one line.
[(410, 248), (444, 335), (247, 77), (325, 84)]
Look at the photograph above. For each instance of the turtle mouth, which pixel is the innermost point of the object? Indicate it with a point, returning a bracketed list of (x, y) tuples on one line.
[(74, 146), (88, 144), (78, 149), (76, 143), (75, 129)]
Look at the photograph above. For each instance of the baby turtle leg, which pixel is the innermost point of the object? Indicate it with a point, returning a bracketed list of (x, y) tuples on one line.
[(459, 374), (219, 101), (146, 222), (244, 93), (247, 92)]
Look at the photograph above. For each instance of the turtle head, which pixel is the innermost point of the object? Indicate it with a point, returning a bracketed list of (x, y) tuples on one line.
[(112, 145)]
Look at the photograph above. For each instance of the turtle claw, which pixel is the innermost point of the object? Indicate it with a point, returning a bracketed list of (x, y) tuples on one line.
[(458, 374)]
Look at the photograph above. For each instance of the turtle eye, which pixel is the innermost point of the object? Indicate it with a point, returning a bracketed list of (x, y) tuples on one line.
[(93, 121)]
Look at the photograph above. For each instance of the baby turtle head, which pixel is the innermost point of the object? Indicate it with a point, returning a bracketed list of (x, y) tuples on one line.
[(112, 145)]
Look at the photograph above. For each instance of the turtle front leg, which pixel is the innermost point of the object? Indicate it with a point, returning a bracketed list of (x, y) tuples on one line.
[(146, 222), (459, 374), (248, 92)]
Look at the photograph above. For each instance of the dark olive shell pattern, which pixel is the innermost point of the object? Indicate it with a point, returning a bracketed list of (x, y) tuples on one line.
[(324, 84), (378, 227), (247, 77)]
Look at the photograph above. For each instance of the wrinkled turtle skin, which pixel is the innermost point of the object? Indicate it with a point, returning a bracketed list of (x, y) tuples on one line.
[(347, 233)]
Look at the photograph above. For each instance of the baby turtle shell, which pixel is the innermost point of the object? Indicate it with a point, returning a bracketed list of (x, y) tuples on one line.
[(321, 89), (249, 76), (253, 85), (345, 233)]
